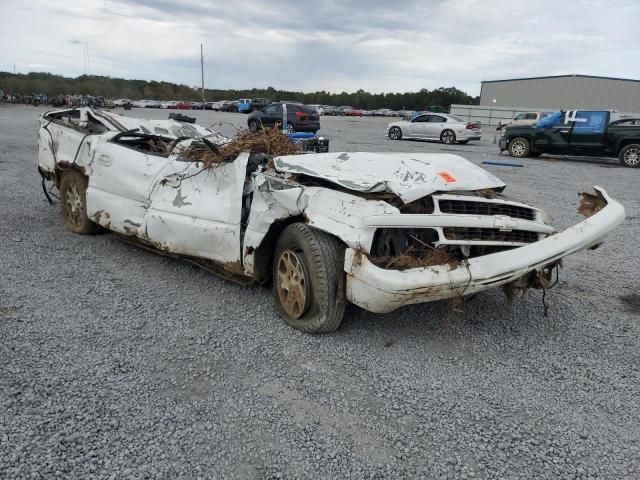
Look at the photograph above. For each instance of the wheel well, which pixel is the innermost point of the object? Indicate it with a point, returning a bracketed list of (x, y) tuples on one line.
[(264, 253), (627, 141), (62, 167)]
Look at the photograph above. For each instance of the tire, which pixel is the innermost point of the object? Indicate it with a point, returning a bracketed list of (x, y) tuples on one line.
[(519, 147), (73, 200), (463, 142), (448, 137), (630, 155), (254, 125), (318, 259), (395, 133)]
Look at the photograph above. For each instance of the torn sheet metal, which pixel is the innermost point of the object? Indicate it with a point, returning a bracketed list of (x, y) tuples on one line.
[(409, 176), (63, 131), (334, 212)]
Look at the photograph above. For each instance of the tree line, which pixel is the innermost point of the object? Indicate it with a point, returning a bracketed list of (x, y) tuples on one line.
[(94, 85)]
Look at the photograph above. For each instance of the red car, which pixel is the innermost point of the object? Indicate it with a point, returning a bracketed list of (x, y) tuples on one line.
[(183, 105), (353, 113)]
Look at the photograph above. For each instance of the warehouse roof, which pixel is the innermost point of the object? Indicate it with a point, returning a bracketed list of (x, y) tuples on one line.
[(560, 76)]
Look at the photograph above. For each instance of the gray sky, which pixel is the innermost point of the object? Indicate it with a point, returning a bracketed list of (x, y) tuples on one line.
[(332, 45)]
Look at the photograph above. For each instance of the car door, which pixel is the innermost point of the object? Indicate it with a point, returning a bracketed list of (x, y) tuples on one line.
[(271, 114), (434, 126), (555, 137), (197, 212), (418, 126), (120, 180), (587, 134)]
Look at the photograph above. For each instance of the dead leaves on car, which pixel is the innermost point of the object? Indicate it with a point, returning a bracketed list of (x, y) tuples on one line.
[(266, 141)]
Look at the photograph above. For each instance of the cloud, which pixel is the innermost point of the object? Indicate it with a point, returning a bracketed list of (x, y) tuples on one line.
[(331, 45)]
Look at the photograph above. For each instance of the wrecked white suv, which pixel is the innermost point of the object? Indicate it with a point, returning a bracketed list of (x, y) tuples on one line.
[(379, 230)]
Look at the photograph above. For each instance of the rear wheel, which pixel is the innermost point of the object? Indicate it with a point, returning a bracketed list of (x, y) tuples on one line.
[(630, 156), (308, 279), (395, 133), (73, 200), (254, 125), (519, 147), (448, 136)]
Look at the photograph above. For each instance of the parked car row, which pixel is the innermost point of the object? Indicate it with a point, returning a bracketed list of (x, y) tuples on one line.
[(248, 105), (348, 111)]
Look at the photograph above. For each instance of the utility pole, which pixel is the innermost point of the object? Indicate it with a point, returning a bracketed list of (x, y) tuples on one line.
[(202, 72)]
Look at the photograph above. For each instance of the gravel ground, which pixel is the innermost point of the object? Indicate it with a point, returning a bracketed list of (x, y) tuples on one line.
[(118, 363)]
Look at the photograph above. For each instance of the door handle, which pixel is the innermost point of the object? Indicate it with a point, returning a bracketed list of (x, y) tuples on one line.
[(171, 180), (105, 160)]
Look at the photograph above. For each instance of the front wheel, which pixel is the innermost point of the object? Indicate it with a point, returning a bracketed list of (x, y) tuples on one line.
[(519, 147), (395, 133), (448, 136), (308, 279), (73, 201), (630, 156)]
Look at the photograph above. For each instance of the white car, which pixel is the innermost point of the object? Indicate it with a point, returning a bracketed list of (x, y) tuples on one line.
[(170, 104), (317, 108), (523, 118), (216, 106), (380, 230), (121, 102), (435, 126)]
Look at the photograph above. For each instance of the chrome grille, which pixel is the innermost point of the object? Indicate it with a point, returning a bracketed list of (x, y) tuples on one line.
[(469, 207), (490, 235)]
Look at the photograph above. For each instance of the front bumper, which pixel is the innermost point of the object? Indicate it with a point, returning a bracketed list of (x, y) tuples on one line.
[(502, 143), (380, 290)]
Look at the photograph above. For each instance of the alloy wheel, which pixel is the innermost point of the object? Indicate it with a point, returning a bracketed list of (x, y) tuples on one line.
[(632, 157), (292, 285), (447, 137), (518, 148), (74, 204)]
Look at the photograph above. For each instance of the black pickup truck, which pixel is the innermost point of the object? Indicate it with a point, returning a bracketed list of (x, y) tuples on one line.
[(577, 132)]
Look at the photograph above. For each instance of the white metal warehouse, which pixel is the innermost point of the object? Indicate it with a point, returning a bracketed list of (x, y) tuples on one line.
[(563, 92)]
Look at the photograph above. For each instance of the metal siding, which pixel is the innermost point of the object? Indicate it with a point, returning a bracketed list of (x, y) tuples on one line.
[(564, 92)]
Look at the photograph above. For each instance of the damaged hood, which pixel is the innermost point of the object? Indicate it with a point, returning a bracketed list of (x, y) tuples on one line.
[(410, 176)]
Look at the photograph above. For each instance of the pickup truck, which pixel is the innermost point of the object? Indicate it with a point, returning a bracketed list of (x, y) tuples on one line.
[(246, 105), (523, 118), (577, 132)]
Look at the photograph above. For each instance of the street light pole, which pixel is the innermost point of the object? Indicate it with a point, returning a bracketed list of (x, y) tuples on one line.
[(202, 72)]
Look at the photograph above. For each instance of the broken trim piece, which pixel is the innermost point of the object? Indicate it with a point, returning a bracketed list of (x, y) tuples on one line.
[(380, 290)]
